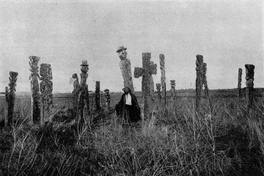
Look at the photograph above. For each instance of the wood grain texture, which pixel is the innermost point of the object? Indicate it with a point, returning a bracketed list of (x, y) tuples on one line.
[(148, 69), (249, 84), (34, 86), (46, 88), (11, 97)]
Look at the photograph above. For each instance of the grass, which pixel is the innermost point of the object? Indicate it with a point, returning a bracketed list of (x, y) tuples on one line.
[(226, 140)]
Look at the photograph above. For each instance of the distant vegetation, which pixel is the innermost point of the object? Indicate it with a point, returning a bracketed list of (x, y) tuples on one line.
[(230, 141)]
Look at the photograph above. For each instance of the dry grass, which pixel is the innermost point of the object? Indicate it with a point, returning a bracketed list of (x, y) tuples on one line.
[(228, 141)]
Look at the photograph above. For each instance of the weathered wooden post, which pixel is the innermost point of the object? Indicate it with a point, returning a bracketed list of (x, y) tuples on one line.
[(158, 87), (239, 83), (83, 95), (107, 97), (163, 81), (97, 95), (46, 88), (76, 88), (125, 67), (34, 85), (10, 97), (250, 84), (149, 68), (206, 89), (173, 91), (199, 81)]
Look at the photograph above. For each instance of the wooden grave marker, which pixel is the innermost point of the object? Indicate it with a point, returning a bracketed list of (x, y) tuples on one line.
[(46, 88), (10, 97), (148, 69), (34, 86)]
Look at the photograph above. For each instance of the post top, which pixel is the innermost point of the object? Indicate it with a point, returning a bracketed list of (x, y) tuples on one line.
[(146, 54), (249, 66), (84, 63), (120, 48)]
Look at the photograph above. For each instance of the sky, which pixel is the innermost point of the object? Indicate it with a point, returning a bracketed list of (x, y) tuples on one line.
[(229, 34)]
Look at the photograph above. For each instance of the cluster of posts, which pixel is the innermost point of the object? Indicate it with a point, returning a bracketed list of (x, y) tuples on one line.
[(42, 87), (149, 68)]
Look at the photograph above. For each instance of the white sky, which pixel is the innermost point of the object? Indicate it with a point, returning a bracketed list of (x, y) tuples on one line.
[(229, 34)]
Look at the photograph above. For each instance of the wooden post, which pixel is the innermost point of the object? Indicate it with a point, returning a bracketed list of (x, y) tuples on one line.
[(149, 68), (76, 88), (239, 83), (163, 81), (173, 91), (10, 97), (34, 85), (125, 67), (158, 87), (250, 84), (83, 95), (107, 97), (97, 95), (46, 88), (199, 81), (206, 89)]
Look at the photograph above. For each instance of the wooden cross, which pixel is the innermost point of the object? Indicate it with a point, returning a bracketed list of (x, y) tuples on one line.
[(149, 68)]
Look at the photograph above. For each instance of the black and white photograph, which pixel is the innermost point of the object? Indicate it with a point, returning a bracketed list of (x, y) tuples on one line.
[(132, 87)]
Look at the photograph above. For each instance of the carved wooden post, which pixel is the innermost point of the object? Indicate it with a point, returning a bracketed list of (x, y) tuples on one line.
[(250, 84), (239, 82), (46, 88), (206, 89), (158, 87), (149, 68), (83, 94), (199, 81), (163, 80), (97, 95), (125, 67), (107, 97), (10, 97), (76, 88), (34, 85)]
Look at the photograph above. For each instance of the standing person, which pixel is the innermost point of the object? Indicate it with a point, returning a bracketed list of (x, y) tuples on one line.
[(125, 67), (128, 108)]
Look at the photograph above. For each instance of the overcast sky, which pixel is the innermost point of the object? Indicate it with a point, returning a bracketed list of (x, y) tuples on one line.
[(229, 34)]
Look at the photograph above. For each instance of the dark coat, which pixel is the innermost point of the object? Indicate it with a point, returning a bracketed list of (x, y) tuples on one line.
[(135, 114)]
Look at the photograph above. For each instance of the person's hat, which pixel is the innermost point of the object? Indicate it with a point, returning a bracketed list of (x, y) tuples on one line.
[(120, 48), (84, 63)]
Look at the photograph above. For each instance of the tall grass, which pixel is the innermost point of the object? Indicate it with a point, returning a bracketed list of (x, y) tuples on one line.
[(224, 140)]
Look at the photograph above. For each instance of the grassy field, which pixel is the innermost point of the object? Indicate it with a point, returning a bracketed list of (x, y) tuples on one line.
[(227, 141)]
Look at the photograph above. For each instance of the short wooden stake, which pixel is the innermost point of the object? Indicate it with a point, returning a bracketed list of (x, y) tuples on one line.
[(250, 84), (97, 95)]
